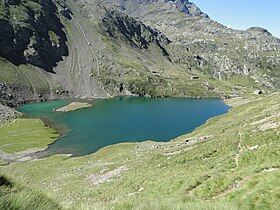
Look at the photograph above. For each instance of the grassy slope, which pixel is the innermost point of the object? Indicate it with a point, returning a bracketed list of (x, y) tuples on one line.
[(23, 134), (220, 172), (17, 136), (16, 197), (24, 77)]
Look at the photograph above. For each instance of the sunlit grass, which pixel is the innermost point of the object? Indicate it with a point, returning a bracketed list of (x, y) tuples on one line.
[(23, 134)]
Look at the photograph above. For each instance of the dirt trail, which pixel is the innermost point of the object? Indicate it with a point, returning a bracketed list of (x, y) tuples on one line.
[(240, 143), (237, 184), (73, 64), (240, 149)]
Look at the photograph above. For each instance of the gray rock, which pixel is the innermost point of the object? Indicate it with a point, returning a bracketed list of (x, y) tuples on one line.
[(258, 92), (8, 114)]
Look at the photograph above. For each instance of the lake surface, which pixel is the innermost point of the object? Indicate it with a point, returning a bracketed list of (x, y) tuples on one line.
[(122, 119)]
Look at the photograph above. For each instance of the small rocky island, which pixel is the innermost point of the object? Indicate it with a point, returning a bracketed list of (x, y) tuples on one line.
[(73, 106)]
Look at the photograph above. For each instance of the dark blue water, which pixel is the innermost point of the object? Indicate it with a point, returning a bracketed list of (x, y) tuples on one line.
[(123, 119)]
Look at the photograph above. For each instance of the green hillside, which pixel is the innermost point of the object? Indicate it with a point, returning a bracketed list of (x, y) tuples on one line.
[(231, 162)]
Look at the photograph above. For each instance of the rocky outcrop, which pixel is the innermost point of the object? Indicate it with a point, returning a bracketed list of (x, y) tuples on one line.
[(7, 114), (188, 8), (258, 32), (136, 33), (12, 95), (141, 7), (31, 32)]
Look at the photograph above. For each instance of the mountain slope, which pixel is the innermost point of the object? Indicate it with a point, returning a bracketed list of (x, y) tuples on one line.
[(114, 54), (90, 49), (220, 51)]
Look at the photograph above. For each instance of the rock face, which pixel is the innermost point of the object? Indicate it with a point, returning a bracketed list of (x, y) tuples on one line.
[(132, 31), (102, 46), (13, 95), (31, 32), (258, 32), (7, 114)]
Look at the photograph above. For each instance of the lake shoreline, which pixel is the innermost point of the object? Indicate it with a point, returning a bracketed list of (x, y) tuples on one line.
[(62, 132)]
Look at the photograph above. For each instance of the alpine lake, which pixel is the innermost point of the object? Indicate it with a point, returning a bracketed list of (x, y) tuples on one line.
[(121, 119)]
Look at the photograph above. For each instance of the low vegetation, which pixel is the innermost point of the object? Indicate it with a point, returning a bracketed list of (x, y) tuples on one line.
[(16, 197), (24, 134), (231, 162), (26, 80)]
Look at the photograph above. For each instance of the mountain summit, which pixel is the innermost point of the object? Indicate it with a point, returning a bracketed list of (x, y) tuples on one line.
[(142, 7)]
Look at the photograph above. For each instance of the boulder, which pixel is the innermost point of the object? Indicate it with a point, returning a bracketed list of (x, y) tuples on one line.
[(258, 92)]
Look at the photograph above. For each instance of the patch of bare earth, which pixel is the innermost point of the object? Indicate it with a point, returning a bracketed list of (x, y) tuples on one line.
[(266, 119), (97, 179), (269, 125), (23, 156)]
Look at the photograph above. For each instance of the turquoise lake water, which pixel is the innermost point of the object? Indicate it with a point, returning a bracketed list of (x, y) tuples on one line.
[(122, 119)]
